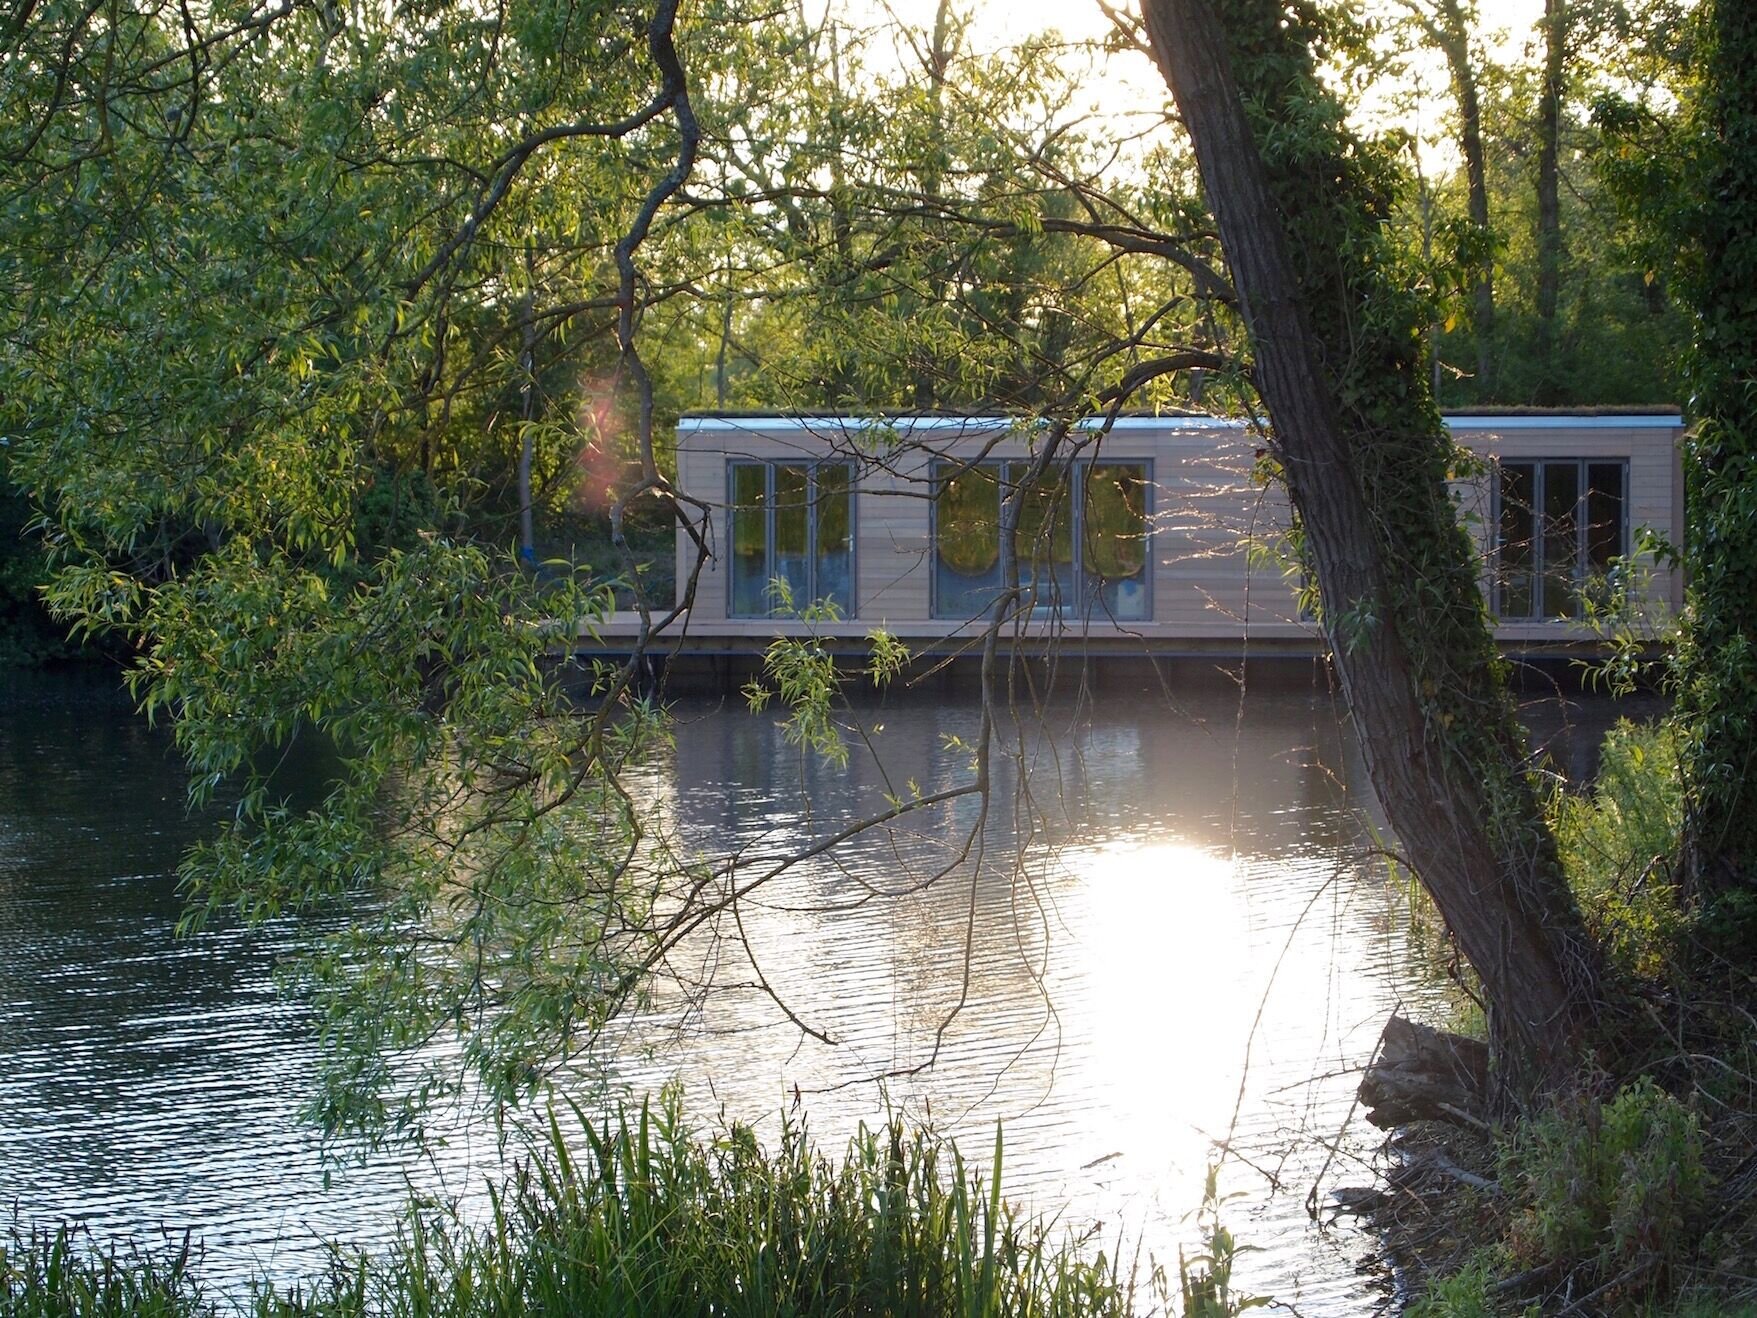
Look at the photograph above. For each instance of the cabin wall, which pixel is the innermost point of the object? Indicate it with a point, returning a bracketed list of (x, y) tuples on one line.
[(1208, 511), (1649, 445)]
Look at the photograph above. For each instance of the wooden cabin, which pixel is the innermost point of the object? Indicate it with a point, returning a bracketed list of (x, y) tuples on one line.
[(1162, 535)]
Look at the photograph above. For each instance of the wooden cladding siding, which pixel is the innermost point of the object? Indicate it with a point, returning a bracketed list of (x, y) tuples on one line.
[(1215, 527), (1654, 493)]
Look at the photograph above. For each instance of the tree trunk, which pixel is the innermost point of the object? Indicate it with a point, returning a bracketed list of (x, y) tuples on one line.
[(1718, 701), (1402, 609), (1451, 32), (1549, 211)]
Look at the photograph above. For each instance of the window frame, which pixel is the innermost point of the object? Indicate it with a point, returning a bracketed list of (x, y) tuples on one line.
[(1074, 609), (1539, 463), (811, 466)]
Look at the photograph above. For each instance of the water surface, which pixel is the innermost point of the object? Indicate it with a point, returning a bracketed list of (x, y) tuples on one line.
[(1160, 946)]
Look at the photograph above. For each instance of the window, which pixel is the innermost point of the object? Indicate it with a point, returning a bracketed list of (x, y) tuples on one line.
[(1561, 530), (1082, 539), (793, 522)]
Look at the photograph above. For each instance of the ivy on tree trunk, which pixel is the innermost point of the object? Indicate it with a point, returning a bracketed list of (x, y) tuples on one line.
[(1302, 206), (1718, 702)]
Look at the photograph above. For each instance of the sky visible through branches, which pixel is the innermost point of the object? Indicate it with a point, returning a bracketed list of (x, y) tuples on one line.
[(1127, 88)]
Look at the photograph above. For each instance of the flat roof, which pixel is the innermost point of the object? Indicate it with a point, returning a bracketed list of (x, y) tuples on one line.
[(1485, 418), (1593, 420), (939, 422), (925, 414)]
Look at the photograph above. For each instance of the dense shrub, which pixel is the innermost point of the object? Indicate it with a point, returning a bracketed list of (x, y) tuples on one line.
[(1618, 842), (1617, 1184)]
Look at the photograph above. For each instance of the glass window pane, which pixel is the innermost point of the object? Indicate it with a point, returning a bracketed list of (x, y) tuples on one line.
[(792, 543), (1561, 539), (1606, 523), (835, 537), (1514, 551), (750, 540), (1114, 541), (1045, 539), (1607, 528), (966, 542)]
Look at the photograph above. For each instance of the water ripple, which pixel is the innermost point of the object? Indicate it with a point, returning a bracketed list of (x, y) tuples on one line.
[(1168, 946)]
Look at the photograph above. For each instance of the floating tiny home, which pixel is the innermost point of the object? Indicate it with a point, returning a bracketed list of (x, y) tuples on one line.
[(1158, 536)]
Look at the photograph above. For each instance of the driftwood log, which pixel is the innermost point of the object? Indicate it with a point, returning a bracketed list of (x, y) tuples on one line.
[(1423, 1074)]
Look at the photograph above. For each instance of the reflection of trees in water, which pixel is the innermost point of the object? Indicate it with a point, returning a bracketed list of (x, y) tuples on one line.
[(94, 824)]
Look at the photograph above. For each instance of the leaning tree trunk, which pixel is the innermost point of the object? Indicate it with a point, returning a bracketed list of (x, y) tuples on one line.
[(1549, 205), (1339, 365)]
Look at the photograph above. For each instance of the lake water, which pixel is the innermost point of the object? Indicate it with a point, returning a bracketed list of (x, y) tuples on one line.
[(1161, 944)]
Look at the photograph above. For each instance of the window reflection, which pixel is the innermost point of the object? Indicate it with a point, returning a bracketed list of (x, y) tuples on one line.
[(1081, 539), (792, 523), (1561, 533)]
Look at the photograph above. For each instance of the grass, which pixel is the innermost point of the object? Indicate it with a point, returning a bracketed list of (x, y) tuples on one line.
[(650, 1219), (58, 1275)]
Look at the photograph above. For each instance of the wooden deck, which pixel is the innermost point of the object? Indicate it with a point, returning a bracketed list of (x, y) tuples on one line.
[(927, 638)]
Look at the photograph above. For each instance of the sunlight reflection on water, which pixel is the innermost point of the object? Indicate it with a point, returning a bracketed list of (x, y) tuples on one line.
[(1163, 944), (1164, 940)]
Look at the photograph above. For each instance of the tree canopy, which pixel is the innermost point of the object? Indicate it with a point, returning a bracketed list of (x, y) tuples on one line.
[(302, 304), (289, 289)]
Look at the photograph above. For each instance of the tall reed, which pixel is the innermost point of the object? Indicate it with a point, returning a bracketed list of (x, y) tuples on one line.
[(59, 1274), (638, 1215), (648, 1218)]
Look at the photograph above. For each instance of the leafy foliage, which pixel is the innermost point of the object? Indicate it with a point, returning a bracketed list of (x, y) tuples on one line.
[(807, 680), (273, 312), (1687, 180), (1619, 327), (1619, 844), (912, 224), (1614, 1184)]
